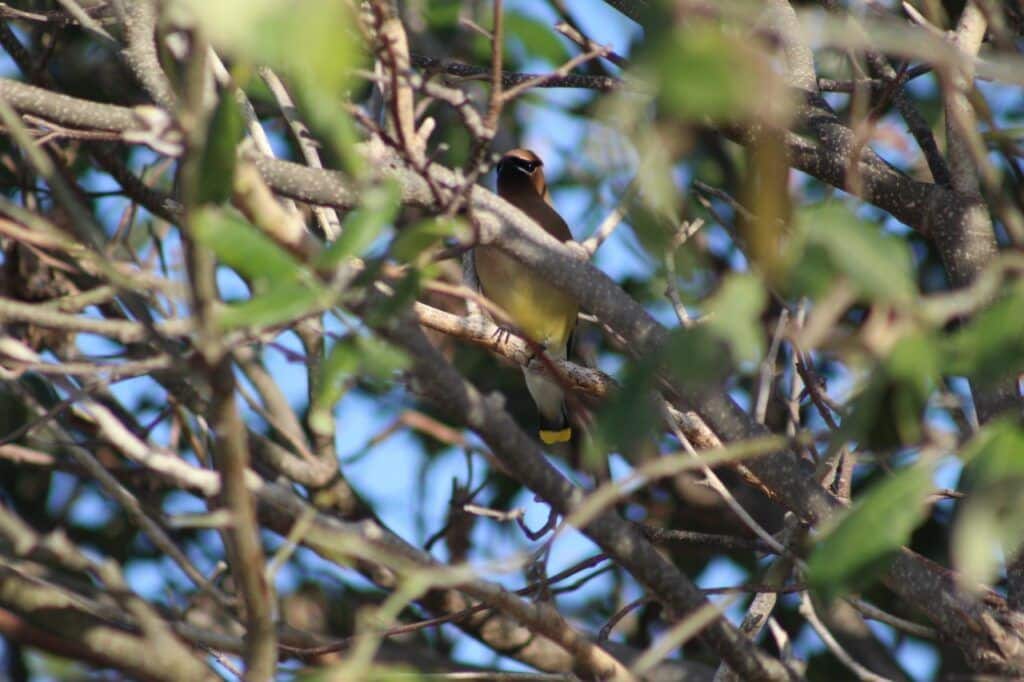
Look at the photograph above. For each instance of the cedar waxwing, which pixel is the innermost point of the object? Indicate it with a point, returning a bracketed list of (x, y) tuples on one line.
[(540, 310)]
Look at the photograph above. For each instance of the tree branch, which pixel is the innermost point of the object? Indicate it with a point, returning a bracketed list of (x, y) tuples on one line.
[(509, 79)]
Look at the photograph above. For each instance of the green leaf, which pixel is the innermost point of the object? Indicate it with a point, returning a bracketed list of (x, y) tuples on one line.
[(702, 72), (244, 248), (863, 542), (735, 311), (362, 226), (339, 369), (442, 13), (414, 240), (405, 292), (314, 45), (217, 160), (888, 412), (697, 356), (339, 129), (628, 417), (879, 265), (995, 453), (313, 40), (536, 37), (351, 356), (915, 360), (379, 359), (283, 302), (659, 193), (990, 524), (991, 346)]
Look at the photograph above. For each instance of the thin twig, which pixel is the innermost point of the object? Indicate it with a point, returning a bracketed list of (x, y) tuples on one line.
[(560, 72), (685, 231), (610, 222), (766, 375), (606, 629), (461, 71), (716, 484), (862, 673), (909, 627), (574, 34), (326, 217)]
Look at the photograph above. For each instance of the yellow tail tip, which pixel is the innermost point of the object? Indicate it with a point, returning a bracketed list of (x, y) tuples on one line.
[(552, 437)]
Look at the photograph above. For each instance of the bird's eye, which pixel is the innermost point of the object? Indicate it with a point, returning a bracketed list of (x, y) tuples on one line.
[(529, 166)]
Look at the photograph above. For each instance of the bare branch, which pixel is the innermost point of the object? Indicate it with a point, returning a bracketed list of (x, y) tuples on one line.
[(140, 19), (462, 71)]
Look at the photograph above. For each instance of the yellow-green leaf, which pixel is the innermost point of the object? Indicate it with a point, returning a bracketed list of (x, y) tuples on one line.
[(734, 312), (241, 246), (281, 303)]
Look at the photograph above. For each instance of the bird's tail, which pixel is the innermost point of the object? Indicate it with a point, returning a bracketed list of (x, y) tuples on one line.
[(550, 400), (566, 439), (552, 432)]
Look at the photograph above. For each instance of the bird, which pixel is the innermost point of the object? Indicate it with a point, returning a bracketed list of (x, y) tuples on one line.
[(539, 309)]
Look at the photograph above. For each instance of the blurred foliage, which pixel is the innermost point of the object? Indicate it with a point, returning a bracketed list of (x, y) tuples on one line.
[(362, 226), (350, 357), (715, 74), (991, 520), (283, 289), (992, 344), (734, 313), (888, 413), (267, 33), (830, 241)]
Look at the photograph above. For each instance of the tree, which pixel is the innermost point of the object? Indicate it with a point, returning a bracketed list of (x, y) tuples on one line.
[(233, 297)]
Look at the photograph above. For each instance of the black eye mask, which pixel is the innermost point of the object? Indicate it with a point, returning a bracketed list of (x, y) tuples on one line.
[(517, 164)]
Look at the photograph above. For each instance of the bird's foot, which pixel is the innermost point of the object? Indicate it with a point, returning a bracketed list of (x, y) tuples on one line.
[(502, 334)]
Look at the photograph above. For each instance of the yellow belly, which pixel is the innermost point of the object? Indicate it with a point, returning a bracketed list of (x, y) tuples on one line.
[(542, 311)]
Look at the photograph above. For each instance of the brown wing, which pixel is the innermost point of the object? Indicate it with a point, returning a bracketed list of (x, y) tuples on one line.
[(547, 217)]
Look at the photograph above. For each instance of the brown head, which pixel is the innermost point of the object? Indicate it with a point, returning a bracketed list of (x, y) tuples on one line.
[(521, 170)]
